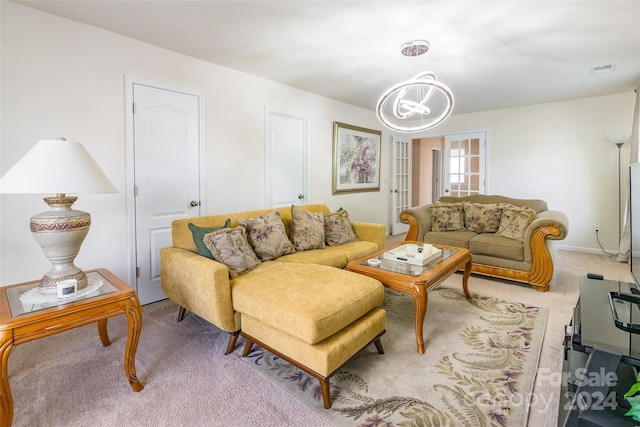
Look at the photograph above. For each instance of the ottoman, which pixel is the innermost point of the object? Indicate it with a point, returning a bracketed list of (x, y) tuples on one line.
[(313, 316)]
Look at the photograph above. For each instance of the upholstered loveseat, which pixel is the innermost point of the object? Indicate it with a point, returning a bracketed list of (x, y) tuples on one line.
[(288, 291), (508, 238)]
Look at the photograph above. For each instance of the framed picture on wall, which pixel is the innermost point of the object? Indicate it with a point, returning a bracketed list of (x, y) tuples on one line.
[(356, 159)]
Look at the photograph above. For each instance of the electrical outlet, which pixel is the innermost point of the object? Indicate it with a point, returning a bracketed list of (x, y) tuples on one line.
[(596, 228)]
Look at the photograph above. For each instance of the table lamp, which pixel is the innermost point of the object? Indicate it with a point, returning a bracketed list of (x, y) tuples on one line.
[(58, 167)]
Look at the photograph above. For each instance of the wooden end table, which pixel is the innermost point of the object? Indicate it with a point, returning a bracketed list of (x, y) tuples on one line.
[(22, 322), (416, 280)]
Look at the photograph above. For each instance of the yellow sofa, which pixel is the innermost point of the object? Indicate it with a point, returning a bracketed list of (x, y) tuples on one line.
[(302, 306)]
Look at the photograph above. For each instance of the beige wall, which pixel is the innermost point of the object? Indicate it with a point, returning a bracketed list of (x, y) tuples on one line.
[(559, 152), (425, 173), (416, 167), (62, 78)]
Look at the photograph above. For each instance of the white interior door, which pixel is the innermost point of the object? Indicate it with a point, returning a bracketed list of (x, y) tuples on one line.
[(464, 164), (401, 190), (166, 139), (286, 168)]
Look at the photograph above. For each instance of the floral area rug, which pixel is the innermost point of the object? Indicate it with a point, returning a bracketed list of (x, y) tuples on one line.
[(479, 367)]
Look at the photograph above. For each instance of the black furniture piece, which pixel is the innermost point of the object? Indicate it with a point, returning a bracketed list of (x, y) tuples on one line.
[(600, 359)]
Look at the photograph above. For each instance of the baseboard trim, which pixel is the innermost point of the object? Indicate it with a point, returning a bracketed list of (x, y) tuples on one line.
[(595, 251)]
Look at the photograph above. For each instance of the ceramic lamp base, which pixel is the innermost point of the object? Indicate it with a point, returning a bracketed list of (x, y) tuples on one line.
[(60, 233)]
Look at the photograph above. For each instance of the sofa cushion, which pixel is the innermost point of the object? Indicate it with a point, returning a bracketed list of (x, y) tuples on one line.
[(198, 234), (333, 256), (446, 216), (535, 204), (230, 247), (458, 239), (308, 301), (267, 236), (359, 249), (307, 229), (337, 229), (514, 221), (492, 244), (481, 218), (327, 256)]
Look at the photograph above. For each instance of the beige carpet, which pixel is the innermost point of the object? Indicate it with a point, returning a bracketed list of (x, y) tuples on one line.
[(69, 379)]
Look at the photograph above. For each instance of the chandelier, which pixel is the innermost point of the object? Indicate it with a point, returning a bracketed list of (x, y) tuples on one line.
[(418, 103)]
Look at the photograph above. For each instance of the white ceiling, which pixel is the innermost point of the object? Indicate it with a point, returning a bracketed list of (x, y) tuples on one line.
[(492, 54)]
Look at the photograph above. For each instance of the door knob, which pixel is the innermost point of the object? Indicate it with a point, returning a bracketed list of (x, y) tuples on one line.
[(446, 190), (194, 203), (300, 196)]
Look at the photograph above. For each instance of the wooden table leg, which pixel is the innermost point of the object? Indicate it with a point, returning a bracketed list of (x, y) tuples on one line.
[(134, 315), (420, 296), (465, 278), (6, 400), (102, 330)]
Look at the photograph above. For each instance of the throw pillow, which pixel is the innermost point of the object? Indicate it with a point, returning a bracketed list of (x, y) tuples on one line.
[(230, 247), (198, 234), (267, 236), (337, 229), (514, 222), (446, 216), (307, 229), (481, 218)]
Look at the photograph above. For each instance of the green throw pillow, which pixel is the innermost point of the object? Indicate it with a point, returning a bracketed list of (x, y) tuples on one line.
[(198, 236)]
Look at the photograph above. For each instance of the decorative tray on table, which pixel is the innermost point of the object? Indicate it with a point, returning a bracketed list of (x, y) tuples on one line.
[(424, 254)]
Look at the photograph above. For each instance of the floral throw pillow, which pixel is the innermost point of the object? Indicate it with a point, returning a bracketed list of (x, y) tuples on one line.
[(481, 218), (514, 222), (337, 229), (230, 247), (446, 216), (307, 229), (267, 236)]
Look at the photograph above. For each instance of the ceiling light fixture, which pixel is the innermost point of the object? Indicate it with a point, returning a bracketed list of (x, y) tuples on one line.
[(409, 105)]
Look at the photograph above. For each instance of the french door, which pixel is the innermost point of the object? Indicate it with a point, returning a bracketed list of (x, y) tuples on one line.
[(464, 164), (401, 197)]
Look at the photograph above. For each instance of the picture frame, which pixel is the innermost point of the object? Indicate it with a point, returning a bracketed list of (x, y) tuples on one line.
[(356, 159)]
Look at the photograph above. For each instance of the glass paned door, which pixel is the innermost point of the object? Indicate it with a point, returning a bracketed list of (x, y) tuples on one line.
[(401, 190), (464, 164)]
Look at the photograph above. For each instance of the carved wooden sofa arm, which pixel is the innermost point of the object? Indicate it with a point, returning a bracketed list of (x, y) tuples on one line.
[(537, 267)]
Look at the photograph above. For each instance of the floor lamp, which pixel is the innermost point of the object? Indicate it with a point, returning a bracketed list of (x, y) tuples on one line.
[(619, 141)]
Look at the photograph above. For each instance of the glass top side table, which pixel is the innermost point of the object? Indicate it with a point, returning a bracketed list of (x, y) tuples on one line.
[(20, 323)]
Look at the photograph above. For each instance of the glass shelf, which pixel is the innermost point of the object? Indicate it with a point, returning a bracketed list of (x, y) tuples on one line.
[(19, 307)]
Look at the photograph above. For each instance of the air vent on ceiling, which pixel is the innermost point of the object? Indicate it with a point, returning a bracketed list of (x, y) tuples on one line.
[(605, 68)]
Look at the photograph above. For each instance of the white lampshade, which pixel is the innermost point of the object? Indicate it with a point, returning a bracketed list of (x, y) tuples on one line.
[(56, 166), (618, 139)]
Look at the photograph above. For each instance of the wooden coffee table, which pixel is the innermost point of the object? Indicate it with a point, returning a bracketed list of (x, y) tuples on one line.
[(22, 322), (417, 280)]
